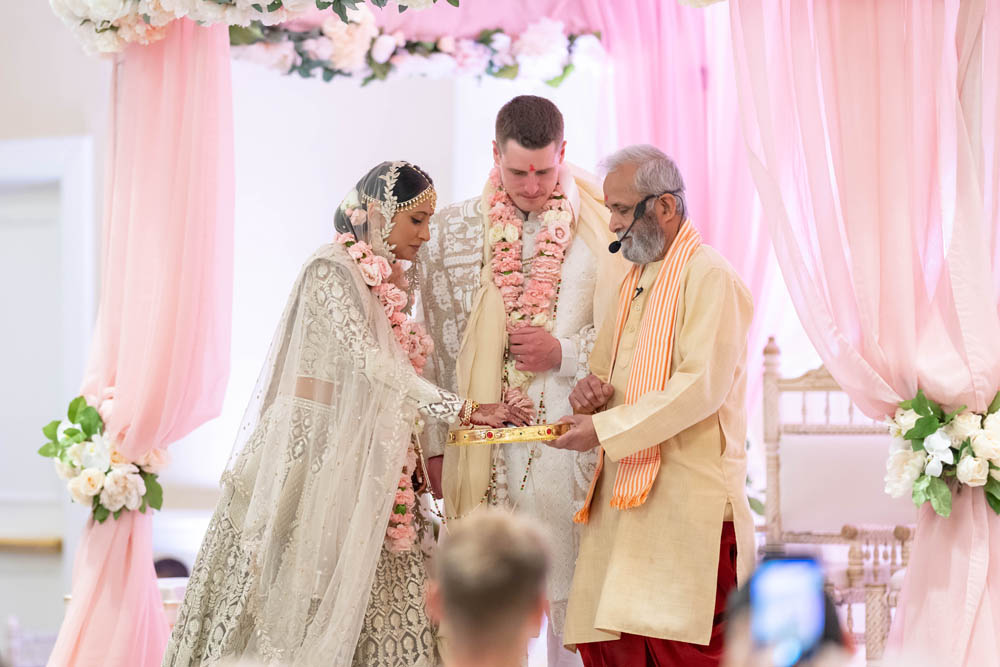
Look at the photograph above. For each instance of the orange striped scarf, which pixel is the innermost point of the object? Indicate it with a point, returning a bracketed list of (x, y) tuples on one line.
[(650, 366)]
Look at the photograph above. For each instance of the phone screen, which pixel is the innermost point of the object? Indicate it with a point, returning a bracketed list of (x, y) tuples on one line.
[(787, 608)]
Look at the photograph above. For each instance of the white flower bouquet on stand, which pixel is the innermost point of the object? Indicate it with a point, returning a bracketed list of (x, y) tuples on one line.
[(96, 475), (933, 452)]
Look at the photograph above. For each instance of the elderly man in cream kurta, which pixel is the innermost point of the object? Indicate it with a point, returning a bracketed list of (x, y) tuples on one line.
[(668, 531)]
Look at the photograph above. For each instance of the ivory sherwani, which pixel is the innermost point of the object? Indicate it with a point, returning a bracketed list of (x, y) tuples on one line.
[(451, 275), (651, 570)]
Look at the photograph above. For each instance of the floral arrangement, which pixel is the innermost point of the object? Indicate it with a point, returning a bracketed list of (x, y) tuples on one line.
[(528, 300), (389, 287), (933, 452), (96, 475), (357, 48), (107, 26)]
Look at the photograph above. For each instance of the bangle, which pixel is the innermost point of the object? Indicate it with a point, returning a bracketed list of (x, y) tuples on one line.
[(468, 409)]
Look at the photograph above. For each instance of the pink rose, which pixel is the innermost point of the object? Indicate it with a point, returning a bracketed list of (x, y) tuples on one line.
[(560, 232), (358, 217), (357, 251), (383, 266), (397, 318), (369, 270), (395, 296), (344, 238)]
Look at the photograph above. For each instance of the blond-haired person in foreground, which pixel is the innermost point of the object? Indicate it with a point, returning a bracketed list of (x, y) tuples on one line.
[(488, 590)]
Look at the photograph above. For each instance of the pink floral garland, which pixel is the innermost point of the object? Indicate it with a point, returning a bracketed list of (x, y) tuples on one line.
[(528, 300), (376, 271)]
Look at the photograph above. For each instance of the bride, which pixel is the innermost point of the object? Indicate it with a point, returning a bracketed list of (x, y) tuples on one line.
[(312, 555)]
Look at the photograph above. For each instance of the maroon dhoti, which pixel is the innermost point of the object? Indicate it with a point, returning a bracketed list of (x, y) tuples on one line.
[(635, 650)]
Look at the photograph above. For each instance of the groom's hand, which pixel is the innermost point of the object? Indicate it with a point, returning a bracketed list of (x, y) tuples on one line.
[(535, 350)]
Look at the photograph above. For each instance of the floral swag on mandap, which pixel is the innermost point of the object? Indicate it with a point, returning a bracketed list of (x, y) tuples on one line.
[(934, 453), (107, 26), (359, 49), (96, 474)]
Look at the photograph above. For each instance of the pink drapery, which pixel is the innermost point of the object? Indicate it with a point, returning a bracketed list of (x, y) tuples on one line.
[(161, 344), (872, 137), (674, 88)]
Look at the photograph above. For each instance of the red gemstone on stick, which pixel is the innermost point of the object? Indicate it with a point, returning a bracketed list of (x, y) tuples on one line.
[(489, 435)]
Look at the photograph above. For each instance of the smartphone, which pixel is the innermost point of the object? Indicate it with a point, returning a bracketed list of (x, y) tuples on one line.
[(787, 608)]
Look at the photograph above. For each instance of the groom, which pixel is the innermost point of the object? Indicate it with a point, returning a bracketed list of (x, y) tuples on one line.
[(529, 257)]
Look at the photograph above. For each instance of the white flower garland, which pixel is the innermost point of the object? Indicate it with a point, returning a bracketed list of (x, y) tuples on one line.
[(932, 451)]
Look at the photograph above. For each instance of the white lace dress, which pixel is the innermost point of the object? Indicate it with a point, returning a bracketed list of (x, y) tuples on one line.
[(293, 569)]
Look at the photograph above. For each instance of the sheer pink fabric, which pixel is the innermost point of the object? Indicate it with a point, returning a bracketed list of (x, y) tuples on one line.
[(161, 345), (872, 137)]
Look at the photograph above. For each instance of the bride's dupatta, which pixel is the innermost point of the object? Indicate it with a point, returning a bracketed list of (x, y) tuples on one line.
[(286, 570)]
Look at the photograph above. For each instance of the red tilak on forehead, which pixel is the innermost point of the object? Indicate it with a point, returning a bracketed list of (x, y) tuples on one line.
[(531, 167)]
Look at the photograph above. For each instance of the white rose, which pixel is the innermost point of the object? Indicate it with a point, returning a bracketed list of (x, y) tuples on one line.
[(123, 488), (542, 50), (902, 470), (905, 420), (588, 54), (962, 427), (108, 10), (64, 470), (511, 233), (500, 42), (516, 316), (383, 48), (75, 454), (154, 460), (898, 444), (540, 320), (973, 471), (96, 453), (986, 445), (318, 48), (992, 423), (496, 234), (86, 485), (518, 378), (75, 489)]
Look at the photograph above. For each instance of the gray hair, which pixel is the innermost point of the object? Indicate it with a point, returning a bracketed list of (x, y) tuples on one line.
[(656, 174)]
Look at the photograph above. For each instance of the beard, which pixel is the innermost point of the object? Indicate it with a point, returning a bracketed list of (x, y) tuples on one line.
[(645, 243)]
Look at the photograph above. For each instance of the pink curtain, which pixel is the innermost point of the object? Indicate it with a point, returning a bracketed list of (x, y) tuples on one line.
[(872, 137), (674, 87), (161, 345)]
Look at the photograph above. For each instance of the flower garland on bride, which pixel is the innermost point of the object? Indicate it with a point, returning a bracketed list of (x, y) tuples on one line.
[(378, 274)]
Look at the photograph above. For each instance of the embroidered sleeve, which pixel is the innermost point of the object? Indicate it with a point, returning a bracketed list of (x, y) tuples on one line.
[(332, 306)]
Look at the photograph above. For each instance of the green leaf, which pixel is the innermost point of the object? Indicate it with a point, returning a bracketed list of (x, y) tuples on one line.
[(920, 495), (756, 506), (257, 7), (323, 4), (920, 404), (380, 3), (994, 502), (72, 432), (49, 450), (50, 430), (77, 404), (402, 8), (117, 514), (340, 9), (507, 72), (486, 36), (992, 488), (453, 3), (557, 81), (923, 428), (948, 418), (90, 421), (965, 448), (328, 73), (240, 35), (906, 405), (142, 508), (994, 404), (940, 496), (154, 492), (101, 514), (274, 6)]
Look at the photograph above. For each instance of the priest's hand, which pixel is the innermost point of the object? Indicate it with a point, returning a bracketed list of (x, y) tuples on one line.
[(435, 465), (535, 350), (581, 437), (590, 395)]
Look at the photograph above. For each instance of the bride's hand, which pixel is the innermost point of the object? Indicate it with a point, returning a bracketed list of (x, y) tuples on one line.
[(498, 415)]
